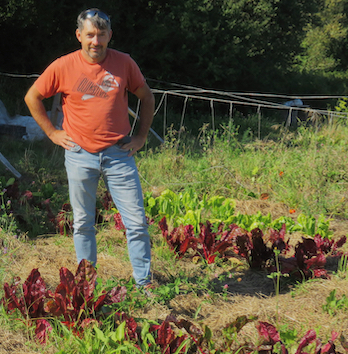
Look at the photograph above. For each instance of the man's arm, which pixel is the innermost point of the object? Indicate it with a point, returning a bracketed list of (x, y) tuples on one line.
[(33, 99), (147, 109)]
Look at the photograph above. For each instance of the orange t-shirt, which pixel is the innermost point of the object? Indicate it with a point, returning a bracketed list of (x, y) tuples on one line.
[(94, 96)]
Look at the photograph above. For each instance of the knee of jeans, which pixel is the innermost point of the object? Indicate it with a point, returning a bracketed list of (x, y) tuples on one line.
[(84, 228), (136, 227)]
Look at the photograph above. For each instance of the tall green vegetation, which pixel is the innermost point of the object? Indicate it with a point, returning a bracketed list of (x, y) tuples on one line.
[(302, 169), (326, 38)]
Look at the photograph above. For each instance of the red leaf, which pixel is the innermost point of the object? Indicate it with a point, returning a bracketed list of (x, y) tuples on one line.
[(65, 219), (324, 244), (320, 273), (167, 339), (308, 338), (86, 277), (60, 302), (119, 225), (189, 242), (131, 325), (12, 302), (116, 294), (268, 332), (31, 303), (163, 226), (42, 329), (277, 239), (340, 242), (34, 291), (67, 280), (316, 262), (180, 239), (165, 335), (98, 304), (212, 244), (107, 201), (206, 237), (329, 348), (259, 253)]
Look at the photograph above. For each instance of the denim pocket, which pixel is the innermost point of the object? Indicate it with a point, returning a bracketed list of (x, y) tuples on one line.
[(75, 148)]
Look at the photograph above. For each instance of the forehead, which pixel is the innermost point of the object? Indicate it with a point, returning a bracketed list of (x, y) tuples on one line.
[(88, 27)]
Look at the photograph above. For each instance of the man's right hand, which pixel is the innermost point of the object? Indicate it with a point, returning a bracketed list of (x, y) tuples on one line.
[(60, 137)]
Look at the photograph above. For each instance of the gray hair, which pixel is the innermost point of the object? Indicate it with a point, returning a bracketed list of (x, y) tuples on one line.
[(98, 19)]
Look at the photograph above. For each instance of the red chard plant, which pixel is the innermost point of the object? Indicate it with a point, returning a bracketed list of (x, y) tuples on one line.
[(310, 255), (65, 220), (33, 293), (119, 225), (211, 243), (251, 246), (30, 302), (73, 301), (180, 239), (168, 341), (277, 238), (74, 298)]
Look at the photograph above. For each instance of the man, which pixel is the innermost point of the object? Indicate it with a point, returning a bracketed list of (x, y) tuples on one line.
[(94, 82)]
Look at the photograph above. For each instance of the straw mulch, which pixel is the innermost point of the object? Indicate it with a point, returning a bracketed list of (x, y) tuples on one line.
[(249, 292)]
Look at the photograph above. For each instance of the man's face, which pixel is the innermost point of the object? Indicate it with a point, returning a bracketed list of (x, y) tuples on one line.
[(93, 41)]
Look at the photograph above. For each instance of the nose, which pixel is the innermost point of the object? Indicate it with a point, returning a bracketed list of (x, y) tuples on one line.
[(95, 40)]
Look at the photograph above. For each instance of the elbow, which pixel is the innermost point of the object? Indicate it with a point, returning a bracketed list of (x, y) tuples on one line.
[(152, 99), (26, 99)]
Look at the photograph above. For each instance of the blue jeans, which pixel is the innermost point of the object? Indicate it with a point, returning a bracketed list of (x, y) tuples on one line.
[(121, 179)]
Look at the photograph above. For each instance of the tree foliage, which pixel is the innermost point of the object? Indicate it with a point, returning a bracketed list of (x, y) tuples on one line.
[(227, 44)]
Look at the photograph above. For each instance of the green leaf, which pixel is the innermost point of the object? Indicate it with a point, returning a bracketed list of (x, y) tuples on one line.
[(100, 335), (120, 332), (10, 182)]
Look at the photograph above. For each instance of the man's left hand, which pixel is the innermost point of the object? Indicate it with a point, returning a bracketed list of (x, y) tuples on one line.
[(134, 145)]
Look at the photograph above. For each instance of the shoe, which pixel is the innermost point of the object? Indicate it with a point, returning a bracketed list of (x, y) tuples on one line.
[(148, 290)]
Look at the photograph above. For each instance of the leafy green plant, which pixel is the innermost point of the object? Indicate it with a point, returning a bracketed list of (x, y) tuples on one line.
[(187, 209), (310, 226), (288, 336), (333, 304), (342, 268)]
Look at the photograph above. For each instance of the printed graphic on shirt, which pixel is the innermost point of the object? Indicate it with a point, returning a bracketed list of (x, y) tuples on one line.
[(100, 89)]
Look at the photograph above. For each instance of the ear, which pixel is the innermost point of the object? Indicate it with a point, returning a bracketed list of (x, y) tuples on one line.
[(110, 35), (78, 35)]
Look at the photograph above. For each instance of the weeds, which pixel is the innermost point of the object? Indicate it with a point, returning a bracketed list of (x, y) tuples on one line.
[(342, 269), (333, 304)]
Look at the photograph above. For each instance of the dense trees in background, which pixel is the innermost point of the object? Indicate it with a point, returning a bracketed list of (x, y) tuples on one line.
[(288, 46)]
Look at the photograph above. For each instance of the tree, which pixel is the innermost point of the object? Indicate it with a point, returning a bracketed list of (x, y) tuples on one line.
[(226, 44), (325, 43)]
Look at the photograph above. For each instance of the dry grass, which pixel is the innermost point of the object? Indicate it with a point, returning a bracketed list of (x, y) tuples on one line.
[(250, 293)]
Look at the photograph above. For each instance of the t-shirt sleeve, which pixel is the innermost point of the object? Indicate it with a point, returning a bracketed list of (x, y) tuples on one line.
[(136, 79), (47, 83)]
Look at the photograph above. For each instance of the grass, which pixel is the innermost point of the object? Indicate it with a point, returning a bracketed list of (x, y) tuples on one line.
[(303, 170)]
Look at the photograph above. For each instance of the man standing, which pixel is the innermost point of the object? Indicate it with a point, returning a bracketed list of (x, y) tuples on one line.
[(94, 82)]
